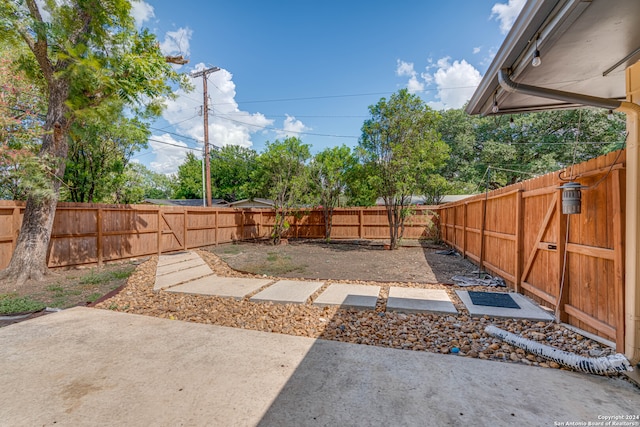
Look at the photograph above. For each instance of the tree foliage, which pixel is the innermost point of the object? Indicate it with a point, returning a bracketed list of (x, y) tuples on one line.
[(282, 176), (100, 147), (231, 169), (189, 179), (400, 144), (83, 53), (329, 174), (531, 144)]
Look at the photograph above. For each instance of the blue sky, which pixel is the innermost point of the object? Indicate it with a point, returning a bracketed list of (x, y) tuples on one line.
[(311, 69)]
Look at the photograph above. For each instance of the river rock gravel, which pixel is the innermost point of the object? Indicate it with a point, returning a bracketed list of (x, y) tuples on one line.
[(459, 335)]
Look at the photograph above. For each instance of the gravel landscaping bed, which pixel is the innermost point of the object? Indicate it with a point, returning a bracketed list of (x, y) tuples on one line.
[(418, 332)]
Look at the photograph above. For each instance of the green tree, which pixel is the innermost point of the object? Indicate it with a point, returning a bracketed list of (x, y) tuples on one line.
[(360, 190), (400, 143), (83, 53), (282, 176), (328, 172), (138, 183), (21, 119), (189, 179), (524, 145), (101, 144), (231, 169)]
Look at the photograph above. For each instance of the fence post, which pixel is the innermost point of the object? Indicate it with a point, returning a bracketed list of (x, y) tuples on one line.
[(483, 206), (99, 237), (184, 229), (464, 230), (361, 223), (159, 231), (519, 241), (618, 256)]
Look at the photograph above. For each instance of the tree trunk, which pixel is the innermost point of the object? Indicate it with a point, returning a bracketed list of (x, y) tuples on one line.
[(29, 260), (393, 226)]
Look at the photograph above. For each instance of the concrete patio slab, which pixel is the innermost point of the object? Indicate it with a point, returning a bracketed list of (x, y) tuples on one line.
[(415, 300), (288, 292), (349, 296), (234, 287), (166, 259), (181, 276), (527, 310), (91, 367), (177, 266)]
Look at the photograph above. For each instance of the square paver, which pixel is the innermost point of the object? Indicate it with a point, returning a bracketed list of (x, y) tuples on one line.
[(415, 300), (167, 259), (352, 296), (527, 310), (177, 266), (234, 287), (181, 276), (288, 291)]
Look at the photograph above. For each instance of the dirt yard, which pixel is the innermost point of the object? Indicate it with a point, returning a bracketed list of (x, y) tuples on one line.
[(344, 261)]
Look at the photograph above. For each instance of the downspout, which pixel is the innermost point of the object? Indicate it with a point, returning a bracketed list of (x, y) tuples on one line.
[(632, 209)]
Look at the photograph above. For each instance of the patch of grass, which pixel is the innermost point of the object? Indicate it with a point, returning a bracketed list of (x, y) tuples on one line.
[(12, 304), (94, 297), (97, 278), (232, 250)]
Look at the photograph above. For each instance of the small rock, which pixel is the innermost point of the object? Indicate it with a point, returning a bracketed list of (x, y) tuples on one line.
[(554, 365)]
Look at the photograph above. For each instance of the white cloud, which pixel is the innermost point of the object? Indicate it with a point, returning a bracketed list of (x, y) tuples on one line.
[(177, 42), (455, 83), (228, 125), (476, 50), (404, 69), (414, 85), (168, 157), (291, 127), (141, 11), (506, 13)]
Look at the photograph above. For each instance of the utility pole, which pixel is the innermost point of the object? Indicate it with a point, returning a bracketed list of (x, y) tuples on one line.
[(205, 113)]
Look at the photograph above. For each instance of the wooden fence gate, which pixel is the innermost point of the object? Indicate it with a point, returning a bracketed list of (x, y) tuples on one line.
[(571, 263)]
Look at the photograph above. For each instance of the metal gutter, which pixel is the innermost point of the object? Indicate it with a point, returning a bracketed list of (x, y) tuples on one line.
[(573, 98)]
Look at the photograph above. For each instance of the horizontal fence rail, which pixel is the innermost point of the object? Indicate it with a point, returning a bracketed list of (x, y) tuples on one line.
[(93, 233), (572, 263)]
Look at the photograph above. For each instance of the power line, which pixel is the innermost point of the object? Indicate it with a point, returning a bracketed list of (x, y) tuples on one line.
[(287, 131), (175, 145), (175, 134)]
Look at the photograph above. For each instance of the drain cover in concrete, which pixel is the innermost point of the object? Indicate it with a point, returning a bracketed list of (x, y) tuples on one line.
[(493, 299), (235, 287), (181, 276), (527, 310), (288, 291), (414, 300), (352, 296)]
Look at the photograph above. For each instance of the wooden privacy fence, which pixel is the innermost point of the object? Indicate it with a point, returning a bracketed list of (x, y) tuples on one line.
[(93, 234), (572, 262)]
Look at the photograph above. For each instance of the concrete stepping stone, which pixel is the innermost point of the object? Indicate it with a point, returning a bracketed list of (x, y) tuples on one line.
[(527, 310), (349, 296), (415, 300), (167, 259), (181, 276), (177, 266), (234, 287), (288, 291)]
